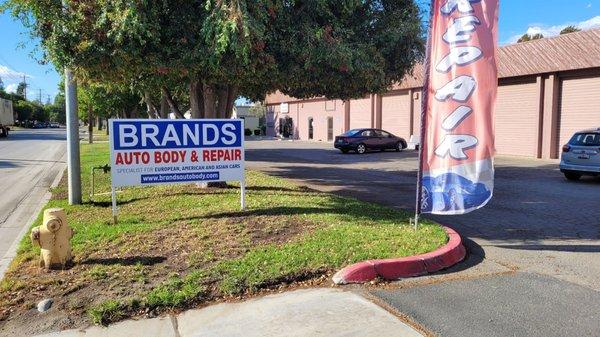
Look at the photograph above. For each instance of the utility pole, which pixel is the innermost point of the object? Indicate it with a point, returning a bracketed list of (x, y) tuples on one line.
[(25, 87), (73, 163), (40, 96), (73, 157)]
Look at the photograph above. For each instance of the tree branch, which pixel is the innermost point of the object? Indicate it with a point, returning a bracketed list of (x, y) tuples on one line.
[(152, 112), (172, 104)]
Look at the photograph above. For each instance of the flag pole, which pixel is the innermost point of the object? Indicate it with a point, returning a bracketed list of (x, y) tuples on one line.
[(423, 126)]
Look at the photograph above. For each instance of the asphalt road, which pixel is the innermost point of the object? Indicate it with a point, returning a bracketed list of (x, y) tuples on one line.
[(533, 267), (29, 162)]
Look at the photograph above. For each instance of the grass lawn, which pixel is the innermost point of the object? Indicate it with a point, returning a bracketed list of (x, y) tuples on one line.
[(100, 135), (181, 246)]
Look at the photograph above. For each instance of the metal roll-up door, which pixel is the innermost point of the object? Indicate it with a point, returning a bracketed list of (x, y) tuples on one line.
[(517, 119), (579, 107), (395, 114), (360, 113)]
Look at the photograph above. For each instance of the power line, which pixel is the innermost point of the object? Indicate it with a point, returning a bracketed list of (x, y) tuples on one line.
[(21, 77)]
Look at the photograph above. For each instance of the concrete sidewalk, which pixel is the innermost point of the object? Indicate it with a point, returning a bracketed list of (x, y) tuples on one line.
[(307, 312)]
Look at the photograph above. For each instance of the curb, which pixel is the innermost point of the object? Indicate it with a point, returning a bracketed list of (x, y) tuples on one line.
[(11, 253), (393, 269)]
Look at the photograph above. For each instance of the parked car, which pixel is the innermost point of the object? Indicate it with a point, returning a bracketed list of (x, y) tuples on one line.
[(363, 140), (4, 131), (450, 191), (54, 125), (581, 156)]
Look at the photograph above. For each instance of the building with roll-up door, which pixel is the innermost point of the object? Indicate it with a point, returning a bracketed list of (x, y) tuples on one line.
[(547, 90)]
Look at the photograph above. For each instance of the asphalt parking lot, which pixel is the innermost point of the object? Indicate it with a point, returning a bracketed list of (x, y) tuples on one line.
[(539, 234)]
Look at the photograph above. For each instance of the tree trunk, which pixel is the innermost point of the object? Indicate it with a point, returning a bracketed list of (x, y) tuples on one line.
[(99, 121), (196, 100), (164, 107), (90, 124), (222, 95), (134, 113), (209, 102), (232, 95), (151, 109), (107, 132), (172, 104)]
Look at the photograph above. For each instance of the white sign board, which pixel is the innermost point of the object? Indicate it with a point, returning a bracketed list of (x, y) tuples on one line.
[(285, 108), (162, 151)]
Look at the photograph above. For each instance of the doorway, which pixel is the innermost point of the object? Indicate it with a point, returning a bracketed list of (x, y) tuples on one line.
[(286, 127), (329, 129), (311, 133)]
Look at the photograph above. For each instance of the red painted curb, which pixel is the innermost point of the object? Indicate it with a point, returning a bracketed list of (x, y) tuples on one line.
[(392, 269)]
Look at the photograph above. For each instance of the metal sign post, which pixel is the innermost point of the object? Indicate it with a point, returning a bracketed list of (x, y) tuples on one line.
[(115, 210), (243, 181), (423, 130)]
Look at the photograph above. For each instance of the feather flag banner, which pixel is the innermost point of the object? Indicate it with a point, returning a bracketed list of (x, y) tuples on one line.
[(456, 165)]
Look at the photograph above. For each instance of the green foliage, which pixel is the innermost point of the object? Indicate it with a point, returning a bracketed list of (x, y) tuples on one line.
[(27, 110), (21, 89), (529, 37), (57, 110), (177, 291), (258, 110), (569, 29), (106, 312), (330, 48), (98, 273), (105, 101)]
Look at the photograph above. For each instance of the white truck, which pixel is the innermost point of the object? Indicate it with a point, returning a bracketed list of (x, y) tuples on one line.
[(6, 116)]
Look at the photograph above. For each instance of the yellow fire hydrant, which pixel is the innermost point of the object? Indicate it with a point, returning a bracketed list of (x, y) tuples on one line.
[(54, 236)]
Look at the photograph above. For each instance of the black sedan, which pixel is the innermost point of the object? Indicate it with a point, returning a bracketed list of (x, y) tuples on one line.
[(362, 140)]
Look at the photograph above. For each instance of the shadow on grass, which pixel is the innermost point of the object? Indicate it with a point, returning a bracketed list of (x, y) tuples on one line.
[(201, 192), (126, 261), (358, 214), (300, 189)]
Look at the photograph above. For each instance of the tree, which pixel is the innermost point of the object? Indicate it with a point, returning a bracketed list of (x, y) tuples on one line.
[(57, 110), (23, 109), (258, 110), (21, 89), (529, 37), (1, 85), (206, 52), (26, 110), (569, 29)]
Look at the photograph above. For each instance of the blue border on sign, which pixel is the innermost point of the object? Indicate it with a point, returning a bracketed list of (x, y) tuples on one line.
[(176, 134)]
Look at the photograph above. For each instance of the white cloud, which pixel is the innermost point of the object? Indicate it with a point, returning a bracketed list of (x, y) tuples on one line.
[(6, 72), (549, 31), (12, 88), (11, 78)]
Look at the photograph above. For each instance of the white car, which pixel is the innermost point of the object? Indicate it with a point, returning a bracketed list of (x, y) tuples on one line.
[(581, 156)]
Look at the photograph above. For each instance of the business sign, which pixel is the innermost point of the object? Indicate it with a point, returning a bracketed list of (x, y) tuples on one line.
[(460, 94), (284, 107), (150, 151)]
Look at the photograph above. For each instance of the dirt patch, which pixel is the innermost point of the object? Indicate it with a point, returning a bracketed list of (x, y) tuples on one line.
[(132, 265)]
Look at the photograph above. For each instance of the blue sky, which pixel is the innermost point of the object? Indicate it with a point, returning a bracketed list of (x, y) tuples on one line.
[(18, 53)]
